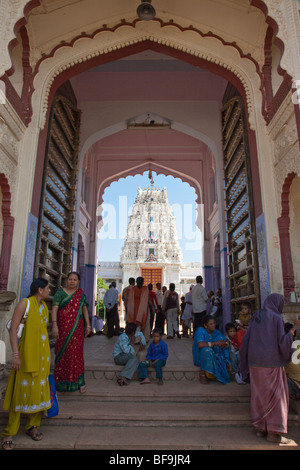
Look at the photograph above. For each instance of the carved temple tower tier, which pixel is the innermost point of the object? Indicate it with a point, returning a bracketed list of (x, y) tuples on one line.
[(151, 248)]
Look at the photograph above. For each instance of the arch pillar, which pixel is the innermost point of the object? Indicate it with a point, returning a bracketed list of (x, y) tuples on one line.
[(284, 237), (8, 228)]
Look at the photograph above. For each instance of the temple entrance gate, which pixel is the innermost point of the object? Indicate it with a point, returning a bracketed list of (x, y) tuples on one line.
[(216, 153), (255, 68)]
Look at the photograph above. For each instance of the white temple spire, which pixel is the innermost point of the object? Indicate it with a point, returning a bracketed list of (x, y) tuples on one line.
[(151, 232)]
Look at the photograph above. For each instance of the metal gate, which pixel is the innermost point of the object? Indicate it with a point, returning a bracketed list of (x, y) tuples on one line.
[(240, 219), (56, 220)]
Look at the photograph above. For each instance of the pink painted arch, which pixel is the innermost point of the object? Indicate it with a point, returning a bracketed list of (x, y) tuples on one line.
[(259, 4)]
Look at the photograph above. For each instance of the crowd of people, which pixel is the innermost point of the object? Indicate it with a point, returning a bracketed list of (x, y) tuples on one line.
[(256, 348)]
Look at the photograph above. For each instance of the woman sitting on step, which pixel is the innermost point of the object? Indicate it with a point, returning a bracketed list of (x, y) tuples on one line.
[(211, 352)]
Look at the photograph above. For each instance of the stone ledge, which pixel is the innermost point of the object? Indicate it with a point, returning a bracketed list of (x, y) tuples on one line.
[(111, 372)]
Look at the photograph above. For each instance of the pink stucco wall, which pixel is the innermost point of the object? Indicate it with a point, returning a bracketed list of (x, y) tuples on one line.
[(136, 86)]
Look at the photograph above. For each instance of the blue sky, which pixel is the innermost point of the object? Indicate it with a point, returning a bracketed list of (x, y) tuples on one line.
[(120, 196)]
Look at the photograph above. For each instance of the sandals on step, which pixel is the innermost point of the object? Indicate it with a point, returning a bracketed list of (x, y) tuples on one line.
[(122, 381), (202, 378), (34, 433), (277, 438), (8, 445)]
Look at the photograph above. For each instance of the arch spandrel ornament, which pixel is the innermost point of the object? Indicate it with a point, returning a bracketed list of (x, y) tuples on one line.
[(176, 34), (14, 13)]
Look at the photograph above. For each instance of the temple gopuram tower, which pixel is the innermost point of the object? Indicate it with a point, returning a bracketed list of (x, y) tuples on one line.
[(151, 248)]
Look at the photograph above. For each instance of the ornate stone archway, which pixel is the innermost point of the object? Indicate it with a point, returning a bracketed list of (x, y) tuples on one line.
[(117, 37), (222, 58)]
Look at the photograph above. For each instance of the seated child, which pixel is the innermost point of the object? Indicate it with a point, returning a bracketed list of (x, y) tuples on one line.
[(156, 357), (231, 331), (245, 313), (243, 322)]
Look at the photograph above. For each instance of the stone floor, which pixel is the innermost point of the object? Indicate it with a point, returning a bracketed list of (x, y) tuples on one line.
[(99, 349)]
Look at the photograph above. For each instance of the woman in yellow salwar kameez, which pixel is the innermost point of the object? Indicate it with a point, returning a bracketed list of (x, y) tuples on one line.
[(28, 387)]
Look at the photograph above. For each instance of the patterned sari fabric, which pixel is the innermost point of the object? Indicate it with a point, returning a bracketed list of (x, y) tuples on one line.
[(69, 361), (212, 360)]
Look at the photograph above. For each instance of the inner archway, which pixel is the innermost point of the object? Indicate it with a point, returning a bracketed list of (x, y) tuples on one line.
[(165, 151), (118, 200)]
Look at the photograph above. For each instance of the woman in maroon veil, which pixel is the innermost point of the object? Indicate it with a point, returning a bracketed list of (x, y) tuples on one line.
[(266, 349)]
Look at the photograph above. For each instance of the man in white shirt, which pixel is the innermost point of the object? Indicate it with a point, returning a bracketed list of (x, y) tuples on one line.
[(199, 301)]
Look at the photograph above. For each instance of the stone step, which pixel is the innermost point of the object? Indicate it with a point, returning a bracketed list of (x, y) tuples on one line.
[(152, 414), (110, 371), (171, 391), (116, 442), (176, 416), (146, 414), (151, 409)]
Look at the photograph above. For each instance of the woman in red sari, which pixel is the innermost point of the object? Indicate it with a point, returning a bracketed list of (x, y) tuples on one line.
[(69, 312)]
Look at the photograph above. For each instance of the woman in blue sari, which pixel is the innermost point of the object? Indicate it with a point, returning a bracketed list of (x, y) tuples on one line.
[(211, 352)]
